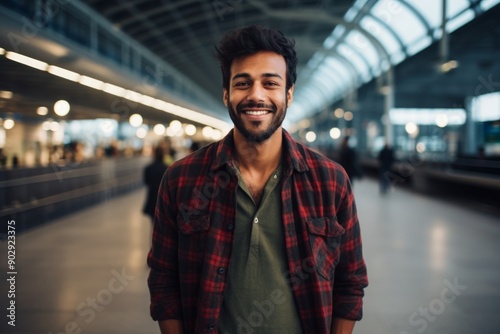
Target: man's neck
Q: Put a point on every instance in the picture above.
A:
(258, 157)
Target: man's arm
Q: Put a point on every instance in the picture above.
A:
(342, 326)
(163, 280)
(350, 272)
(170, 326)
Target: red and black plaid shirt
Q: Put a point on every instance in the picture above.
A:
(193, 238)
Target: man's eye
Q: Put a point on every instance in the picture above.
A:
(241, 84)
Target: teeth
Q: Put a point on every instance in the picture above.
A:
(258, 112)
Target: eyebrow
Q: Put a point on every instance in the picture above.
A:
(246, 75)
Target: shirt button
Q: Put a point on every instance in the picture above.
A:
(230, 227)
(221, 270)
(211, 327)
(275, 176)
(256, 220)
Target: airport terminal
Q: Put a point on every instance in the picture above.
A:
(96, 96)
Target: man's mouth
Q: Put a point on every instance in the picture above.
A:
(256, 112)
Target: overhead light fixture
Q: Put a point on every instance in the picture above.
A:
(135, 120)
(6, 94)
(61, 108)
(310, 136)
(339, 112)
(115, 90)
(448, 66)
(8, 123)
(190, 130)
(167, 107)
(335, 133)
(28, 61)
(159, 129)
(42, 111)
(63, 73)
(91, 82)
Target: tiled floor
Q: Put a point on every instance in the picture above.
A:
(433, 268)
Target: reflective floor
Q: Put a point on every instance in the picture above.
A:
(434, 267)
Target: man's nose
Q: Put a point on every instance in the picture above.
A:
(256, 93)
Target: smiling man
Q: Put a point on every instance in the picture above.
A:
(256, 233)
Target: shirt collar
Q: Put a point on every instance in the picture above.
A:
(294, 153)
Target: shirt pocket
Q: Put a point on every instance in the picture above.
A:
(325, 235)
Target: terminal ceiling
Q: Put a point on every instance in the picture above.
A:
(343, 47)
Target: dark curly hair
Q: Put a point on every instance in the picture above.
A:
(250, 40)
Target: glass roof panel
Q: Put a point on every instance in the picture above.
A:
(419, 45)
(385, 37)
(455, 7)
(430, 9)
(401, 20)
(360, 43)
(460, 20)
(335, 67)
(487, 4)
(355, 59)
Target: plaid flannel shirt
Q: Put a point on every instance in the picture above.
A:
(193, 238)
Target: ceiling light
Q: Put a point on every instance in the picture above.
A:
(190, 130)
(448, 66)
(159, 129)
(310, 136)
(335, 133)
(175, 125)
(207, 131)
(339, 113)
(8, 123)
(348, 116)
(42, 111)
(91, 82)
(141, 133)
(135, 120)
(6, 94)
(61, 108)
(114, 90)
(28, 61)
(63, 73)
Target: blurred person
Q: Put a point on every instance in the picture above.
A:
(152, 178)
(256, 224)
(15, 161)
(385, 159)
(3, 159)
(349, 160)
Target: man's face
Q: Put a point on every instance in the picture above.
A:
(257, 98)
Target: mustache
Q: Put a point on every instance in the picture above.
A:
(242, 106)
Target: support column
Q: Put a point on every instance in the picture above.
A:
(388, 105)
(470, 128)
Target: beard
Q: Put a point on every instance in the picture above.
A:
(257, 136)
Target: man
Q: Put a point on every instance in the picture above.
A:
(349, 160)
(386, 159)
(256, 233)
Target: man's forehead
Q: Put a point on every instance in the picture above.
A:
(260, 63)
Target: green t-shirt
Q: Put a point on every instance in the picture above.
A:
(258, 298)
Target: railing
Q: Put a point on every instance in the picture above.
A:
(36, 195)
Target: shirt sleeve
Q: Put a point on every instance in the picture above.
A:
(163, 278)
(350, 273)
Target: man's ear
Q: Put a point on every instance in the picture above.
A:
(289, 95)
(225, 97)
